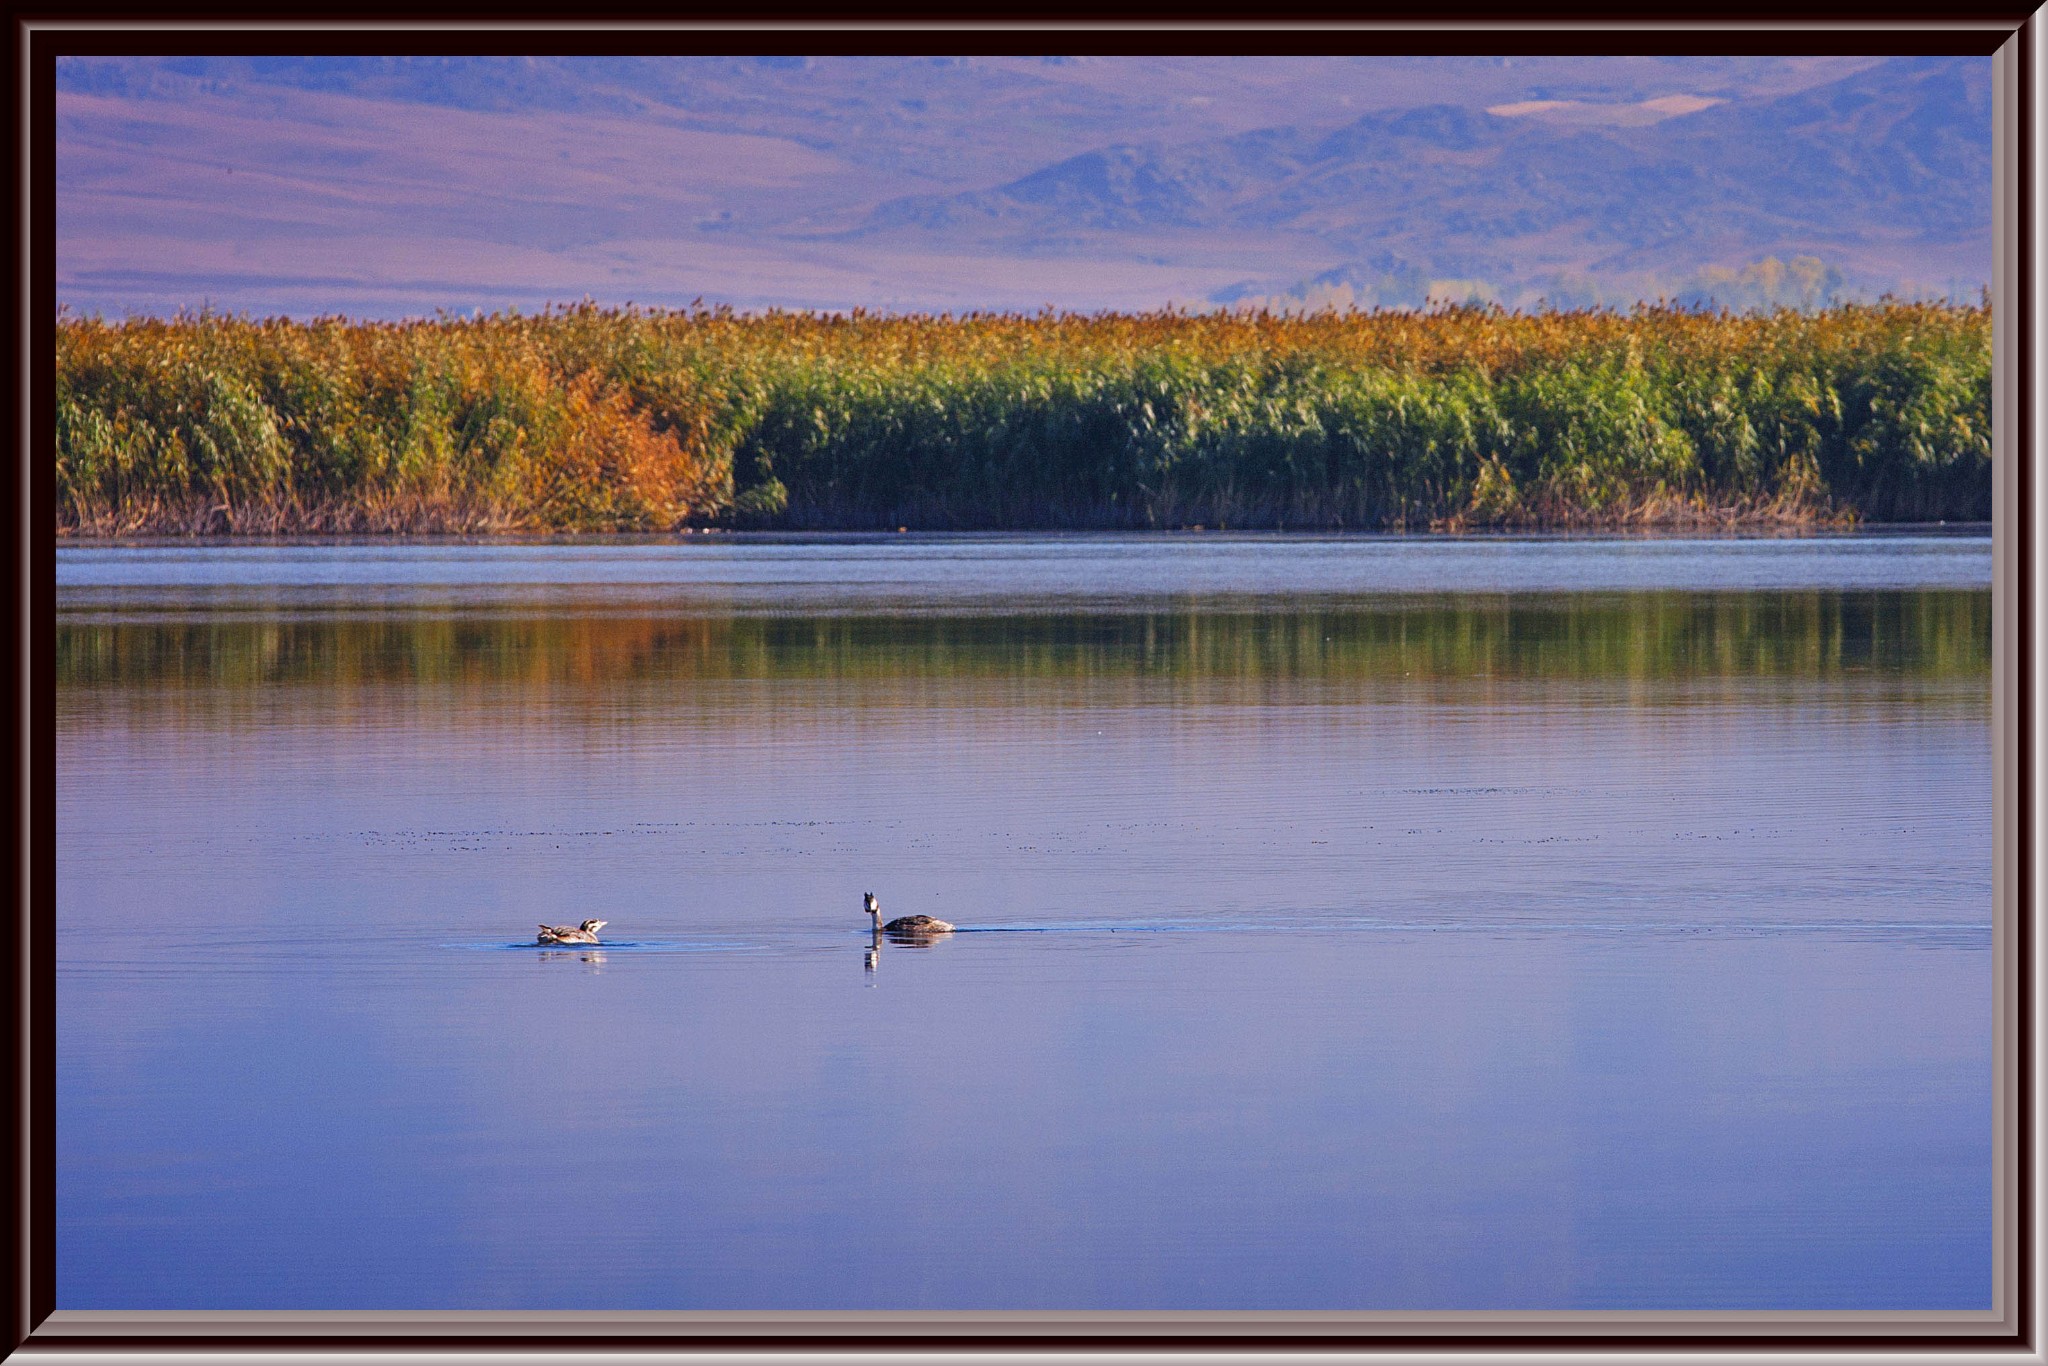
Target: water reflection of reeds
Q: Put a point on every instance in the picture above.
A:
(1647, 636)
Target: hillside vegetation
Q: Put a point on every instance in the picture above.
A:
(588, 419)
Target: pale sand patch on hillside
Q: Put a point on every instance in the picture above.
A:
(1681, 104)
(1634, 115)
(1521, 107)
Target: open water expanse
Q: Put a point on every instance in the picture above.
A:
(1345, 923)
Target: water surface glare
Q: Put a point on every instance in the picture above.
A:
(1368, 923)
(1010, 571)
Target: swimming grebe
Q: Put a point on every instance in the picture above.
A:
(586, 933)
(904, 925)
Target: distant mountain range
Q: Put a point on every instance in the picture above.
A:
(1886, 173)
(1007, 182)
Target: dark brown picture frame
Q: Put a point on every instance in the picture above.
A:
(2006, 31)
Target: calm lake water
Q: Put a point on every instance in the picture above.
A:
(1345, 923)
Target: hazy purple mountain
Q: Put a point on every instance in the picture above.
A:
(385, 186)
(1887, 171)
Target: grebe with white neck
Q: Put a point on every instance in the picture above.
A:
(909, 925)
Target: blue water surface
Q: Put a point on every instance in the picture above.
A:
(1388, 923)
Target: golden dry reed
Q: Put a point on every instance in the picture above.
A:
(591, 419)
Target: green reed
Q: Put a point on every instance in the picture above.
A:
(630, 420)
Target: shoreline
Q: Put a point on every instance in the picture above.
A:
(1658, 512)
(1552, 531)
(1016, 535)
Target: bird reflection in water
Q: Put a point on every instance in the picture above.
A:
(907, 936)
(594, 957)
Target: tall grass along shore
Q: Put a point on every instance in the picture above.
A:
(589, 419)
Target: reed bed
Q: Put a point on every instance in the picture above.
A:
(589, 419)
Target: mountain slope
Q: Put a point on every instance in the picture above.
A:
(386, 186)
(1887, 169)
